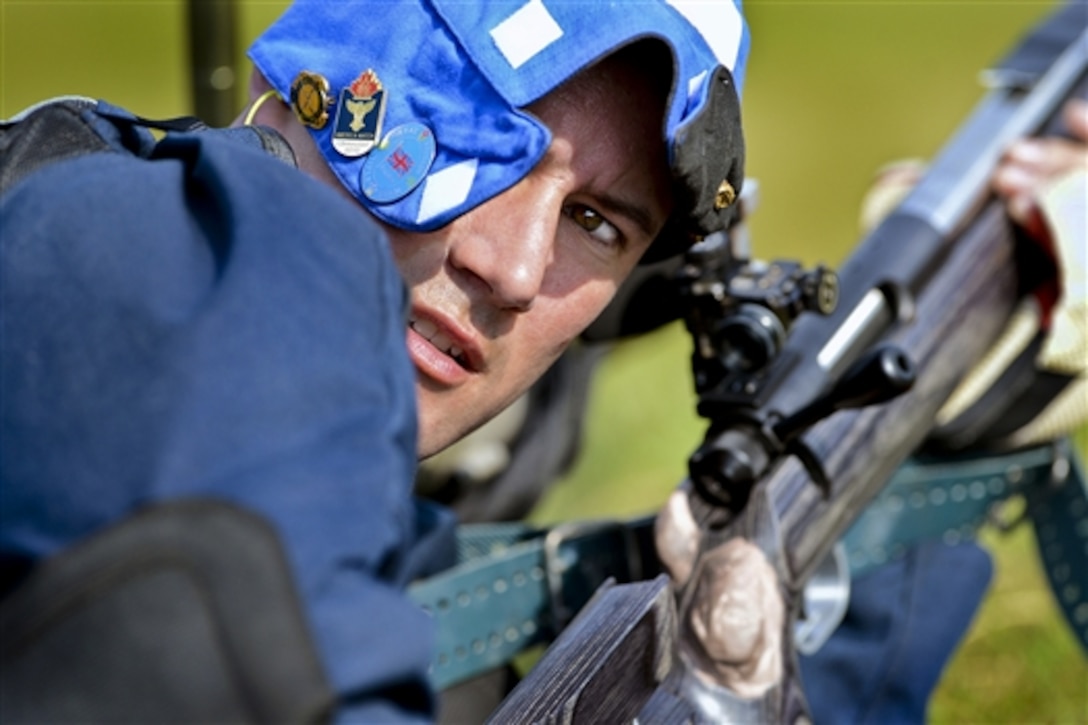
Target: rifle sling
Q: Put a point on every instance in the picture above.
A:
(1018, 396)
(516, 586)
(951, 497)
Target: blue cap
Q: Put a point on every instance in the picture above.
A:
(464, 69)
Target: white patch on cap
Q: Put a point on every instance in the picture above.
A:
(695, 84)
(445, 189)
(528, 31)
(720, 24)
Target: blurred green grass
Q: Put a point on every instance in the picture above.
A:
(834, 91)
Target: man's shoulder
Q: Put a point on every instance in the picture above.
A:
(96, 161)
(69, 128)
(48, 133)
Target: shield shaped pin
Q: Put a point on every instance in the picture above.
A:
(359, 116)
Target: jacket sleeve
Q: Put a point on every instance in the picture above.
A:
(211, 322)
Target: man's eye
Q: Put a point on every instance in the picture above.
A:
(598, 227)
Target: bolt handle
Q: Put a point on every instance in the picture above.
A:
(881, 374)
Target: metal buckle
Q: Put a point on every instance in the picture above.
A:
(1000, 518)
(1057, 473)
(560, 559)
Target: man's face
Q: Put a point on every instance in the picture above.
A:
(498, 294)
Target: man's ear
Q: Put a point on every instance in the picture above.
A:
(275, 113)
(258, 85)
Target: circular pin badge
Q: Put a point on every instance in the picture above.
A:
(310, 99)
(398, 164)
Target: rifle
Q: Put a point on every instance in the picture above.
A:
(805, 429)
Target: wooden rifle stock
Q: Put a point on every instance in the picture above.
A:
(938, 279)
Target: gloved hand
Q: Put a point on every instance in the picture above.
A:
(1045, 185)
(1044, 182)
(1032, 168)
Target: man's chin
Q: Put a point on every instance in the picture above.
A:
(430, 445)
(438, 434)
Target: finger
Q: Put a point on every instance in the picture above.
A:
(1047, 157)
(892, 184)
(676, 536)
(1013, 179)
(1020, 190)
(1075, 115)
(1021, 208)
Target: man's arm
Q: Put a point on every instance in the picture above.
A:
(214, 324)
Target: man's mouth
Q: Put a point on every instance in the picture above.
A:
(430, 332)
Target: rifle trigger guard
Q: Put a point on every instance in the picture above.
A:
(825, 598)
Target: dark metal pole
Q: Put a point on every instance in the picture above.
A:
(212, 53)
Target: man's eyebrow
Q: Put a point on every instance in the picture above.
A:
(635, 212)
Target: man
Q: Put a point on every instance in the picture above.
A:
(193, 318)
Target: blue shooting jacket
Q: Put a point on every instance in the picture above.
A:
(194, 317)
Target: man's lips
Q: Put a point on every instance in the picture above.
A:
(441, 350)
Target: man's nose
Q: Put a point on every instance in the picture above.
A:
(509, 242)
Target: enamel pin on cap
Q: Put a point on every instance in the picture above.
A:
(399, 163)
(310, 99)
(359, 116)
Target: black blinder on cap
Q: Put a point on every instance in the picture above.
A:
(707, 171)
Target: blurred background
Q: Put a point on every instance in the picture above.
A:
(835, 90)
